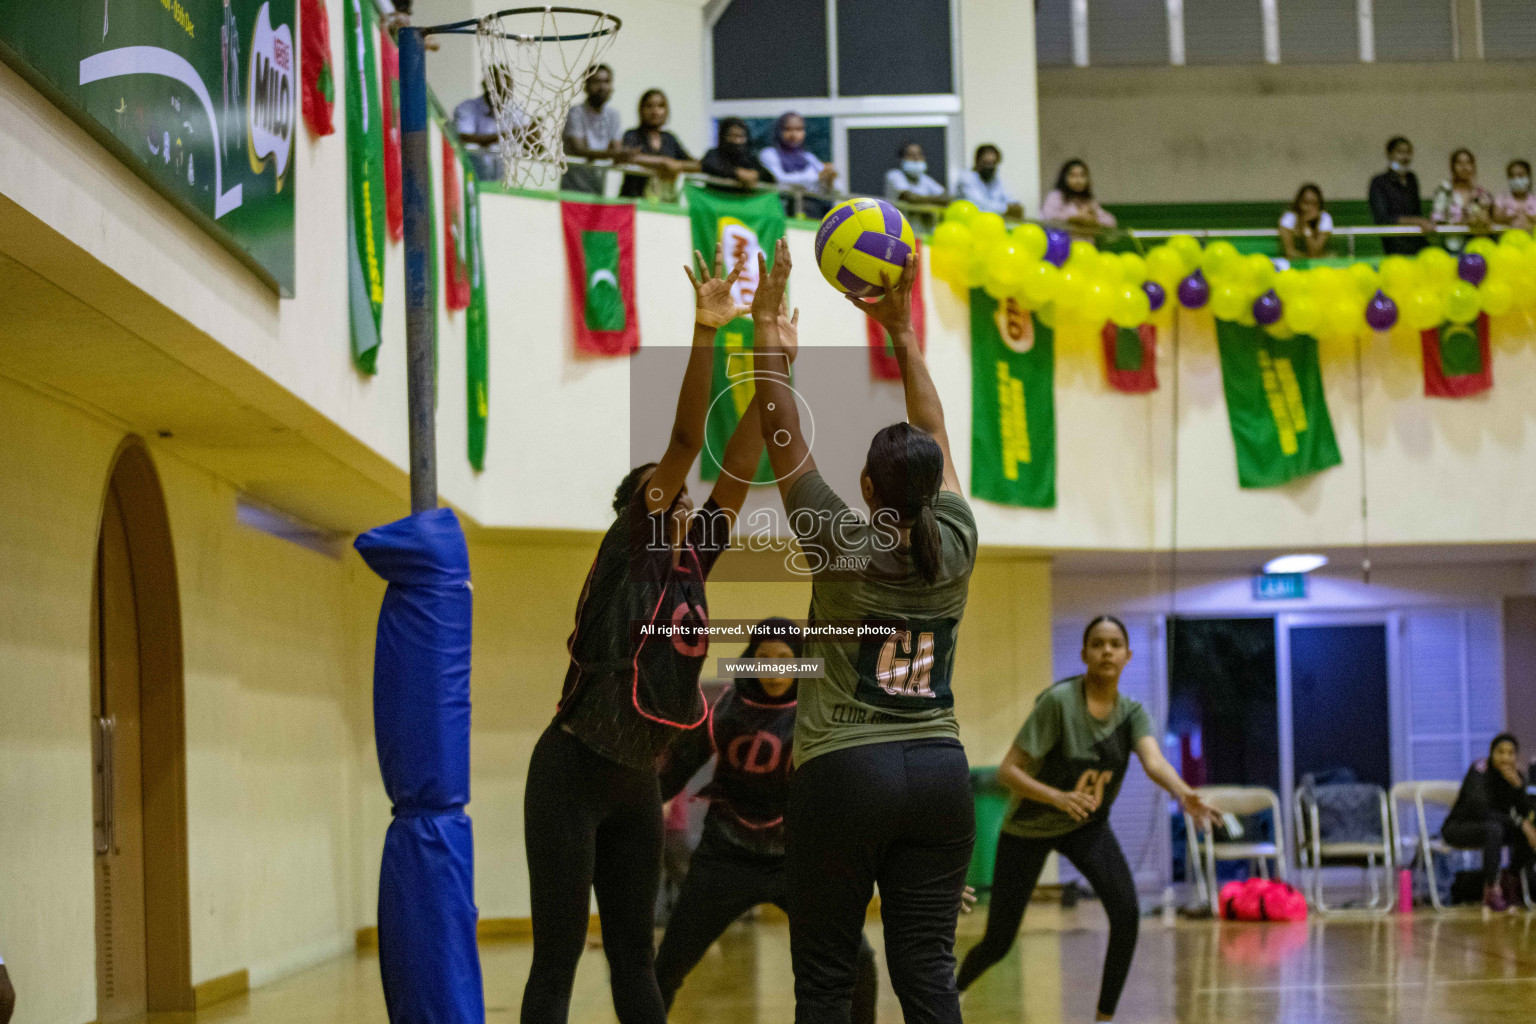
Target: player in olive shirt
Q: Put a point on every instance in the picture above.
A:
(1065, 769)
(881, 789)
(592, 806)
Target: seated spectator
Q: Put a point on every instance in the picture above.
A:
(7, 995)
(1394, 198)
(733, 156)
(1461, 200)
(650, 145)
(910, 182)
(475, 122)
(982, 186)
(592, 132)
(1517, 207)
(1071, 202)
(1306, 227)
(791, 163)
(1493, 811)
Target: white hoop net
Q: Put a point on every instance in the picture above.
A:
(534, 64)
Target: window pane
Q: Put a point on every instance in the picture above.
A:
(1319, 32)
(903, 51)
(873, 151)
(1509, 29)
(1053, 33)
(1223, 32)
(1124, 32)
(768, 49)
(1413, 29)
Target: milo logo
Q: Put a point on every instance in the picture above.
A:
(270, 95)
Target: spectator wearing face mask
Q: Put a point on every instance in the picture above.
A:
(1394, 197)
(1517, 207)
(911, 184)
(733, 157)
(983, 186)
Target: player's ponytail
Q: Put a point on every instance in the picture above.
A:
(905, 466)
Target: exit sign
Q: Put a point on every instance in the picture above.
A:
(1280, 586)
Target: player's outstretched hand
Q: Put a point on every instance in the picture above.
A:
(771, 284)
(893, 310)
(789, 330)
(714, 305)
(968, 900)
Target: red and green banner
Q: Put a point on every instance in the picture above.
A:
(317, 80)
(1457, 359)
(365, 183)
(389, 63)
(455, 256)
(600, 260)
(476, 331)
(1013, 404)
(1130, 358)
(1275, 403)
(745, 225)
(882, 354)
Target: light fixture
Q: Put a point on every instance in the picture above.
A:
(1295, 563)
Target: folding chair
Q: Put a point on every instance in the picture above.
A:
(1239, 800)
(1367, 840)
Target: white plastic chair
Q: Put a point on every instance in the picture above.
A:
(1441, 793)
(1238, 800)
(1313, 851)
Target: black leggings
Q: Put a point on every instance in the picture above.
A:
(1490, 835)
(1094, 851)
(724, 882)
(590, 823)
(899, 815)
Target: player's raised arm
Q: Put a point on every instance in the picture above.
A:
(893, 311)
(713, 308)
(780, 417)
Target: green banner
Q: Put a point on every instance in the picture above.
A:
(365, 183)
(476, 337)
(745, 225)
(199, 97)
(1013, 404)
(1275, 402)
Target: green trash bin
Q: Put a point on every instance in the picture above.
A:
(991, 800)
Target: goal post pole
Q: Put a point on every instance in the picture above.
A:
(420, 328)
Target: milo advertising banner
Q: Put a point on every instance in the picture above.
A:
(199, 97)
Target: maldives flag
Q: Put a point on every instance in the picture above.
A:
(1130, 358)
(882, 354)
(316, 81)
(389, 68)
(455, 236)
(1457, 361)
(600, 258)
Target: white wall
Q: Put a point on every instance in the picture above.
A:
(997, 90)
(1256, 132)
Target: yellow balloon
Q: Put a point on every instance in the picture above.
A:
(1133, 269)
(1041, 282)
(1289, 282)
(1229, 302)
(1504, 260)
(1461, 303)
(1303, 314)
(1031, 240)
(1107, 267)
(1497, 298)
(1219, 259)
(1483, 246)
(1047, 315)
(1523, 285)
(1188, 250)
(1436, 267)
(1423, 310)
(1364, 278)
(1329, 282)
(1071, 289)
(1131, 306)
(1258, 272)
(1005, 272)
(1166, 267)
(1343, 317)
(1279, 330)
(987, 227)
(1516, 239)
(1097, 302)
(1398, 277)
(960, 211)
(1084, 253)
(951, 235)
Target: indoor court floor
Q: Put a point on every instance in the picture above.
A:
(1450, 968)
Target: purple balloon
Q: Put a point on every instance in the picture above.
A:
(1058, 246)
(1267, 308)
(1381, 312)
(1472, 268)
(1194, 291)
(1155, 294)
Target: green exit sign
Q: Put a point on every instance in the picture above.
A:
(1280, 586)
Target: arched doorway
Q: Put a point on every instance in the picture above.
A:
(143, 947)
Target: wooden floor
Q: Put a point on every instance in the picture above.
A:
(1436, 969)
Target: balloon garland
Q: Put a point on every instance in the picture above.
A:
(1046, 271)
